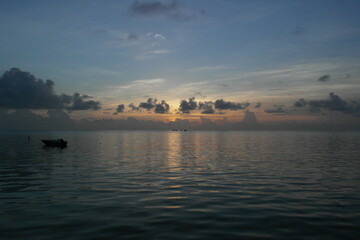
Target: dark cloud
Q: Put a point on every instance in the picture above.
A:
(324, 78)
(21, 90)
(223, 85)
(148, 105)
(257, 105)
(57, 119)
(133, 107)
(249, 118)
(298, 30)
(58, 114)
(24, 119)
(120, 108)
(153, 8)
(132, 37)
(187, 106)
(278, 109)
(206, 107)
(80, 102)
(224, 105)
(333, 103)
(171, 10)
(300, 103)
(162, 107)
(151, 104)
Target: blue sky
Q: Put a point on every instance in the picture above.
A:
(123, 52)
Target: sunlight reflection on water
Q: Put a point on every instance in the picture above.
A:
(157, 185)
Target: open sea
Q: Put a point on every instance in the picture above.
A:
(180, 185)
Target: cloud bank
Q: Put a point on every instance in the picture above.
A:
(209, 107)
(57, 119)
(333, 103)
(171, 10)
(21, 90)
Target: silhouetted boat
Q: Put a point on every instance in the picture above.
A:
(55, 143)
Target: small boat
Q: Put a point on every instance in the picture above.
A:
(55, 143)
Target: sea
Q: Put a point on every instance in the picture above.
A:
(180, 185)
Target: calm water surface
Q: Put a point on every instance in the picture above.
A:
(180, 185)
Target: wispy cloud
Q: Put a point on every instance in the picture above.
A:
(117, 38)
(152, 54)
(173, 10)
(156, 38)
(210, 68)
(156, 35)
(142, 82)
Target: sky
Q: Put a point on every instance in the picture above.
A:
(205, 64)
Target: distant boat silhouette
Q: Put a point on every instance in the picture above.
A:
(55, 143)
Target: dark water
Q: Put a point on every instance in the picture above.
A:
(180, 185)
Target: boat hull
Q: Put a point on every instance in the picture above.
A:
(54, 143)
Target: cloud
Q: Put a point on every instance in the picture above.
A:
(152, 54)
(141, 83)
(156, 35)
(187, 106)
(249, 118)
(59, 120)
(300, 103)
(132, 37)
(162, 107)
(257, 105)
(324, 78)
(153, 8)
(151, 104)
(224, 105)
(148, 105)
(21, 90)
(298, 30)
(118, 36)
(278, 109)
(210, 68)
(171, 10)
(120, 108)
(58, 114)
(333, 103)
(24, 119)
(206, 107)
(133, 107)
(80, 103)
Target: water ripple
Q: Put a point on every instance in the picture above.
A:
(198, 185)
